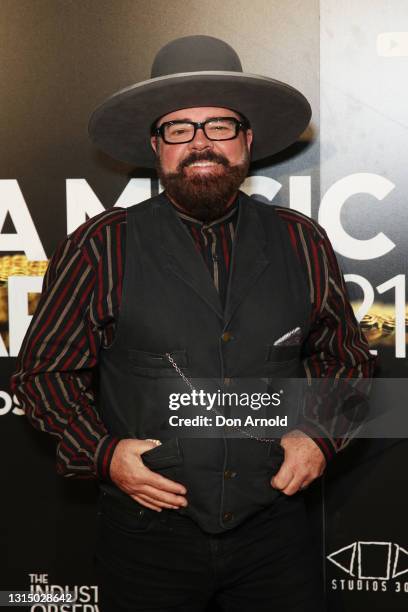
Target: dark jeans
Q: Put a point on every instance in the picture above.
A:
(165, 562)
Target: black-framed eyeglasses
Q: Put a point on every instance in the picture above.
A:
(180, 131)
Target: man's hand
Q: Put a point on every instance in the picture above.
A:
(304, 461)
(150, 489)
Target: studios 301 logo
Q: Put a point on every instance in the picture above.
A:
(370, 566)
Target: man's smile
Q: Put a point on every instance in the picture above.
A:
(203, 167)
(203, 164)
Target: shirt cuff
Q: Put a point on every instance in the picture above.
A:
(103, 456)
(325, 444)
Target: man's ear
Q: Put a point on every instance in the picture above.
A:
(249, 137)
(154, 141)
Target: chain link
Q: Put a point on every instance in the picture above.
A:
(190, 386)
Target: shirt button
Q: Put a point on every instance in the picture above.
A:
(226, 336)
(229, 474)
(227, 516)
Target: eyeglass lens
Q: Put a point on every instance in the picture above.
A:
(214, 129)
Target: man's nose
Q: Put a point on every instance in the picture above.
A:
(200, 140)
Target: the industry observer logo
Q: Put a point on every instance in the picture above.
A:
(64, 598)
(371, 566)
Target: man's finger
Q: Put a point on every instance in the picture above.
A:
(283, 477)
(162, 496)
(294, 485)
(305, 484)
(164, 484)
(145, 503)
(156, 503)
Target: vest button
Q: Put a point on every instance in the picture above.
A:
(227, 516)
(226, 336)
(229, 474)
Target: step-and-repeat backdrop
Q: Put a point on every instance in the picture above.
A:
(58, 60)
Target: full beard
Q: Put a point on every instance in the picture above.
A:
(204, 196)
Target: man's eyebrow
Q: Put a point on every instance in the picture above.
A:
(206, 119)
(178, 119)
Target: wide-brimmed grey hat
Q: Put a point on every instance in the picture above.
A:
(198, 71)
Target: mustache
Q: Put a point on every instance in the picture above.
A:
(209, 156)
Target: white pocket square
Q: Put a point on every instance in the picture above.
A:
(291, 338)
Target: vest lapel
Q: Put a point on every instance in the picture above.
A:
(249, 256)
(181, 258)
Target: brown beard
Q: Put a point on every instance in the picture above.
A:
(204, 197)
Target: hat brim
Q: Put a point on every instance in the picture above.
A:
(278, 113)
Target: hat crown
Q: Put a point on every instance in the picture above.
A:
(195, 54)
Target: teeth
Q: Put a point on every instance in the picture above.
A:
(203, 164)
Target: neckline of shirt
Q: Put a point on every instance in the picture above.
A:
(183, 215)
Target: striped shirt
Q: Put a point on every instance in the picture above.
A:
(78, 310)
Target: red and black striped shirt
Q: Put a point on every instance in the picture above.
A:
(78, 310)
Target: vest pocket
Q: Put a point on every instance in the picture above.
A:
(282, 354)
(166, 455)
(276, 456)
(156, 365)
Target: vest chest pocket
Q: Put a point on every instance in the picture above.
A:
(283, 361)
(156, 365)
(281, 355)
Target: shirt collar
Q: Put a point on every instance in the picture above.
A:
(228, 215)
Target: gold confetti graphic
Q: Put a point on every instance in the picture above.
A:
(15, 265)
(378, 324)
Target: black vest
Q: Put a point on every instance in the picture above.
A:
(170, 305)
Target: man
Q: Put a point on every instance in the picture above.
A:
(198, 282)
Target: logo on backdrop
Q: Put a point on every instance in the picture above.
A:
(9, 404)
(371, 566)
(85, 597)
